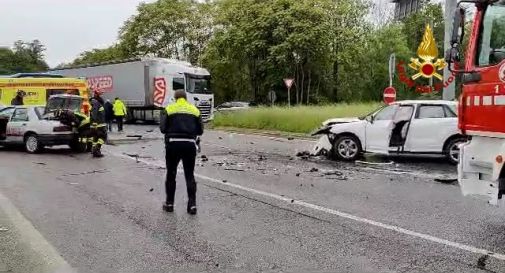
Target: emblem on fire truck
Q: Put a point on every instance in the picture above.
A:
(427, 51)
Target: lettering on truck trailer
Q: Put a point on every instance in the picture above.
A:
(100, 83)
(160, 90)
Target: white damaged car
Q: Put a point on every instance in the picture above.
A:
(404, 127)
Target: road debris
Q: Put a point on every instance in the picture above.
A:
(374, 163)
(204, 158)
(73, 183)
(314, 170)
(138, 137)
(86, 173)
(446, 180)
(151, 189)
(261, 158)
(291, 138)
(481, 263)
(297, 175)
(40, 163)
(233, 169)
(220, 138)
(303, 155)
(3, 229)
(225, 181)
(150, 131)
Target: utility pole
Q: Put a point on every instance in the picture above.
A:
(449, 92)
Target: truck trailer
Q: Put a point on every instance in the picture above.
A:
(147, 85)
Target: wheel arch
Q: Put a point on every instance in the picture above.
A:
(28, 133)
(451, 138)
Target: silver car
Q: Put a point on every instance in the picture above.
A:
(29, 126)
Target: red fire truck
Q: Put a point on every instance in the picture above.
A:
(482, 103)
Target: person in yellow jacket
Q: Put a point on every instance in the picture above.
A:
(119, 113)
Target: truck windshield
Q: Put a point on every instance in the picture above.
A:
(199, 85)
(492, 38)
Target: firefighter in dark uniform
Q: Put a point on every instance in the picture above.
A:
(182, 124)
(81, 122)
(98, 126)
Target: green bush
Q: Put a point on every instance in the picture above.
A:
(299, 119)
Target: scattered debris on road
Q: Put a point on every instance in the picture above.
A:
(73, 183)
(291, 138)
(233, 169)
(297, 175)
(151, 189)
(374, 163)
(314, 170)
(481, 263)
(40, 163)
(204, 158)
(150, 131)
(86, 173)
(446, 180)
(2, 229)
(225, 181)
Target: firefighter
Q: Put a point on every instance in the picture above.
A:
(81, 122)
(182, 124)
(98, 126)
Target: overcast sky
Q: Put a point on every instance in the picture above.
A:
(66, 27)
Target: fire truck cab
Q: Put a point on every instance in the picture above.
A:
(482, 103)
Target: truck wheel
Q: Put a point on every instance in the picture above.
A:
(347, 148)
(451, 150)
(32, 144)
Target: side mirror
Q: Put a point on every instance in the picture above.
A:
(370, 118)
(458, 27)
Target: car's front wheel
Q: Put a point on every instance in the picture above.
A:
(347, 148)
(452, 149)
(32, 144)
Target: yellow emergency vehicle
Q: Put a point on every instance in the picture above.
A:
(36, 90)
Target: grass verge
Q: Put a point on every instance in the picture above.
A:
(299, 119)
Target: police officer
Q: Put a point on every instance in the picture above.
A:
(98, 125)
(181, 123)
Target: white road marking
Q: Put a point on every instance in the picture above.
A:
(33, 238)
(345, 215)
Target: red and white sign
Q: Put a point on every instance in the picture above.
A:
(160, 90)
(389, 95)
(289, 83)
(100, 83)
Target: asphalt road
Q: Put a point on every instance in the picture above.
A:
(261, 209)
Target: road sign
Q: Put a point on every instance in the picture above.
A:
(272, 97)
(289, 83)
(389, 95)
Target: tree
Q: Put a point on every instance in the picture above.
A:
(24, 57)
(177, 29)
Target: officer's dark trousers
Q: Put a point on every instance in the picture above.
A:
(175, 152)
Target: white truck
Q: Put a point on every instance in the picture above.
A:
(146, 85)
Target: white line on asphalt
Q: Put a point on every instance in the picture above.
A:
(290, 201)
(31, 237)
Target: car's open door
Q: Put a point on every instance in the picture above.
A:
(379, 128)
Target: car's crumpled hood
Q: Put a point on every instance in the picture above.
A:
(339, 120)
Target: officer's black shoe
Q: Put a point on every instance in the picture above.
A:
(168, 207)
(191, 209)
